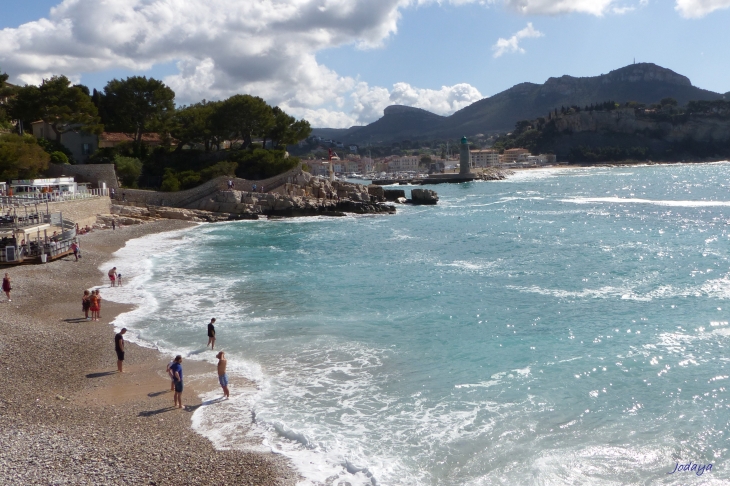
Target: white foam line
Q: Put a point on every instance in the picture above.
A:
(668, 203)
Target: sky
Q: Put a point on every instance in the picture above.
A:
(339, 63)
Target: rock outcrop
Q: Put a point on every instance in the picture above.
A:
(424, 196)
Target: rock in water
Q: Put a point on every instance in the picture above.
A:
(424, 196)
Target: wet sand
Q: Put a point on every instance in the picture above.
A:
(67, 416)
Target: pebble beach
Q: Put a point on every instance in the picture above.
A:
(67, 417)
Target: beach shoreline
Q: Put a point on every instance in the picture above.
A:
(67, 416)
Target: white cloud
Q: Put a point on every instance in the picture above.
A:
(504, 46)
(554, 7)
(693, 9)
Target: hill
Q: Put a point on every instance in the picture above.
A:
(643, 83)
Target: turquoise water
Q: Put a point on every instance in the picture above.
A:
(560, 327)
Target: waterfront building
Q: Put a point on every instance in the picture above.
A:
(514, 155)
(484, 158)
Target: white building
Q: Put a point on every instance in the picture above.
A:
(408, 163)
(484, 158)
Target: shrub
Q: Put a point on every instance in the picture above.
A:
(59, 158)
(170, 182)
(129, 169)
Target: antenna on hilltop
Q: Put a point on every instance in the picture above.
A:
(634, 60)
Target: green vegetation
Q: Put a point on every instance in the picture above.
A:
(128, 169)
(199, 142)
(59, 157)
(58, 103)
(21, 157)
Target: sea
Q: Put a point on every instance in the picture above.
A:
(563, 326)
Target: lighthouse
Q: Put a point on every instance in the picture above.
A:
(464, 158)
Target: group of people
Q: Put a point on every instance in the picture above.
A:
(174, 367)
(91, 302)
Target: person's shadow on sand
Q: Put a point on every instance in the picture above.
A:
(99, 375)
(75, 320)
(150, 413)
(157, 394)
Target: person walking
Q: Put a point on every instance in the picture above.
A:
(222, 376)
(211, 334)
(114, 224)
(113, 276)
(119, 348)
(6, 286)
(177, 376)
(86, 304)
(75, 249)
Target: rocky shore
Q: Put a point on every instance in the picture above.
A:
(66, 416)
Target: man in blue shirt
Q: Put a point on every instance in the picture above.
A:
(177, 376)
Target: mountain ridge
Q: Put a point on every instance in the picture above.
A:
(643, 82)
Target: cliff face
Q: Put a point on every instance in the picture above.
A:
(630, 122)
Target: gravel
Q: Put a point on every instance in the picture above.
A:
(52, 364)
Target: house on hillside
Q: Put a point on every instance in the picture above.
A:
(112, 139)
(81, 144)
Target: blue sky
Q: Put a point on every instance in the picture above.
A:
(340, 62)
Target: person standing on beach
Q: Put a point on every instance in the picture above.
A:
(119, 348)
(177, 376)
(98, 304)
(86, 304)
(93, 305)
(114, 224)
(113, 276)
(211, 334)
(119, 280)
(171, 374)
(75, 249)
(6, 286)
(222, 376)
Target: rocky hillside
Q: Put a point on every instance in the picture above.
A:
(643, 83)
(668, 132)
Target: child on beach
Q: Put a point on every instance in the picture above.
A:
(119, 280)
(6, 286)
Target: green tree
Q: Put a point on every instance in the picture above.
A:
(6, 91)
(138, 105)
(21, 157)
(245, 117)
(668, 102)
(62, 106)
(59, 157)
(129, 170)
(425, 161)
(286, 130)
(194, 124)
(170, 182)
(261, 164)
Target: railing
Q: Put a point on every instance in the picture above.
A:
(26, 199)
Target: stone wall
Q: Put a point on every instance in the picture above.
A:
(190, 197)
(95, 174)
(81, 211)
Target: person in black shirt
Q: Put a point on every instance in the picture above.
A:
(211, 334)
(119, 348)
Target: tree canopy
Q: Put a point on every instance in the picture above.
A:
(137, 105)
(21, 157)
(245, 117)
(63, 106)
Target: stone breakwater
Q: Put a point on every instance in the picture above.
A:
(305, 195)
